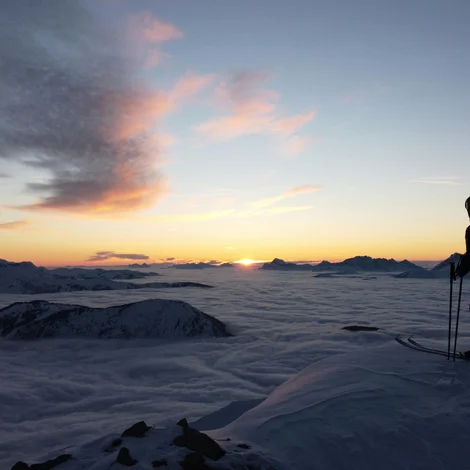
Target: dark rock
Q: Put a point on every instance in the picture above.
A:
(194, 461)
(179, 441)
(360, 328)
(115, 443)
(20, 466)
(244, 446)
(199, 442)
(49, 464)
(257, 467)
(183, 423)
(159, 463)
(136, 430)
(124, 458)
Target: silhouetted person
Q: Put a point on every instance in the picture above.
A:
(464, 264)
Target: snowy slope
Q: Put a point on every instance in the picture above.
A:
(149, 318)
(26, 278)
(443, 266)
(369, 409)
(385, 407)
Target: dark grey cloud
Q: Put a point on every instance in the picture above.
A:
(170, 259)
(4, 175)
(106, 255)
(73, 104)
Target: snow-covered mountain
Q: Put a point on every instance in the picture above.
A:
(84, 273)
(26, 278)
(440, 271)
(367, 263)
(156, 318)
(192, 266)
(348, 266)
(416, 274)
(226, 265)
(137, 265)
(278, 264)
(444, 265)
(201, 265)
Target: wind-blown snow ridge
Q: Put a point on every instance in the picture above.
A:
(26, 278)
(368, 409)
(154, 318)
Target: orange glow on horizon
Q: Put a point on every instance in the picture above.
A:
(248, 262)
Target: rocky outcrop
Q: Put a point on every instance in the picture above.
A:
(178, 446)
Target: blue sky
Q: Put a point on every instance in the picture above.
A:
(381, 89)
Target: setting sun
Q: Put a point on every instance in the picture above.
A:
(245, 262)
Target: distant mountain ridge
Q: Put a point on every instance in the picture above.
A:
(153, 318)
(26, 278)
(278, 264)
(439, 271)
(201, 265)
(357, 263)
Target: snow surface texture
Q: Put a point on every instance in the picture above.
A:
(363, 401)
(26, 278)
(145, 319)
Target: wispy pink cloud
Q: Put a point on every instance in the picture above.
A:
(189, 85)
(269, 201)
(295, 145)
(14, 225)
(290, 125)
(149, 33)
(252, 110)
(262, 207)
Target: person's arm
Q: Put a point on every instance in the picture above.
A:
(464, 265)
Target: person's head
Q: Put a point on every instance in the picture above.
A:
(467, 206)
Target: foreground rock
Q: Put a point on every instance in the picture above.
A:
(156, 318)
(26, 278)
(176, 447)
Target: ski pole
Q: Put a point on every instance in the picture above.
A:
(452, 273)
(458, 315)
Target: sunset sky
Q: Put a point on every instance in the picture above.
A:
(223, 130)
